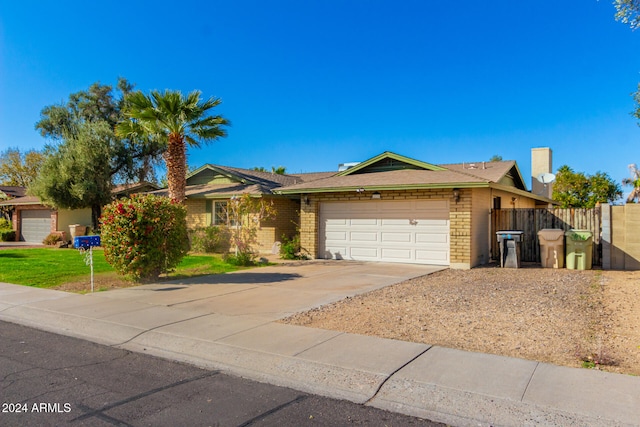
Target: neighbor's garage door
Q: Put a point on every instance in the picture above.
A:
(36, 225)
(411, 231)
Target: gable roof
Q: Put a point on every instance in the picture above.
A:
(388, 161)
(239, 181)
(390, 171)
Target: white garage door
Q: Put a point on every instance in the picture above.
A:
(410, 231)
(36, 225)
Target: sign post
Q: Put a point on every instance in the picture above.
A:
(85, 245)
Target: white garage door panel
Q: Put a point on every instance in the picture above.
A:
(362, 222)
(396, 237)
(35, 225)
(412, 231)
(364, 237)
(371, 253)
(337, 235)
(397, 254)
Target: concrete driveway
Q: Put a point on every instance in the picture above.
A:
(273, 292)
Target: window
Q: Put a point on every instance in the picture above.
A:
(219, 213)
(497, 202)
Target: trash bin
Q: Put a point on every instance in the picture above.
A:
(510, 242)
(551, 247)
(76, 230)
(579, 249)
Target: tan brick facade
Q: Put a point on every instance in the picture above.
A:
(285, 222)
(459, 218)
(271, 230)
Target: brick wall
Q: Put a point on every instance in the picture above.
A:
(196, 213)
(271, 230)
(459, 217)
(284, 222)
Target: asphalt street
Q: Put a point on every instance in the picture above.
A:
(51, 380)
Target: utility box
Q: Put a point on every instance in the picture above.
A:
(510, 242)
(551, 247)
(579, 249)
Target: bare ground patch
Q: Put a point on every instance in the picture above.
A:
(554, 316)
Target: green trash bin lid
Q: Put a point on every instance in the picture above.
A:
(579, 235)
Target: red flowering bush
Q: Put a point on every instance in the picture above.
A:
(144, 236)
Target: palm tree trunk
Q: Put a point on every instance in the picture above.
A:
(176, 160)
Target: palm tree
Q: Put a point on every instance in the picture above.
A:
(173, 120)
(634, 181)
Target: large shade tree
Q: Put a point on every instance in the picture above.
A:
(20, 168)
(175, 121)
(579, 190)
(85, 157)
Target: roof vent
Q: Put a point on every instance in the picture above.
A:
(345, 166)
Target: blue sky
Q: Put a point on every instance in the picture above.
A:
(310, 84)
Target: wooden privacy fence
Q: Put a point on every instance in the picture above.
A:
(530, 221)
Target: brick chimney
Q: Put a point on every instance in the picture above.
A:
(541, 163)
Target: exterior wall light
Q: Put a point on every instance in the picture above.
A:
(456, 195)
(360, 190)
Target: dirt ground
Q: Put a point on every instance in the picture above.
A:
(565, 317)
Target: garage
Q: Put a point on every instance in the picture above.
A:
(405, 231)
(35, 225)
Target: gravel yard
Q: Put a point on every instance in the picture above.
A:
(565, 317)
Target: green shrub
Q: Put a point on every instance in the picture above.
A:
(291, 249)
(5, 224)
(52, 239)
(144, 236)
(212, 239)
(7, 235)
(244, 259)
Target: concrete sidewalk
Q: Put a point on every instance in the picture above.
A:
(228, 322)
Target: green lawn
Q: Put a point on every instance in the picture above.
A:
(49, 267)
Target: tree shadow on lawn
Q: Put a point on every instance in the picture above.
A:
(14, 255)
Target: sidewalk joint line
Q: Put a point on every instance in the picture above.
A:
(320, 343)
(529, 382)
(395, 372)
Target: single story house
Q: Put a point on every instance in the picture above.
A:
(393, 208)
(210, 187)
(33, 221)
(11, 191)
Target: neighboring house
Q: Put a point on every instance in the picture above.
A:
(9, 192)
(33, 221)
(210, 187)
(393, 208)
(126, 190)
